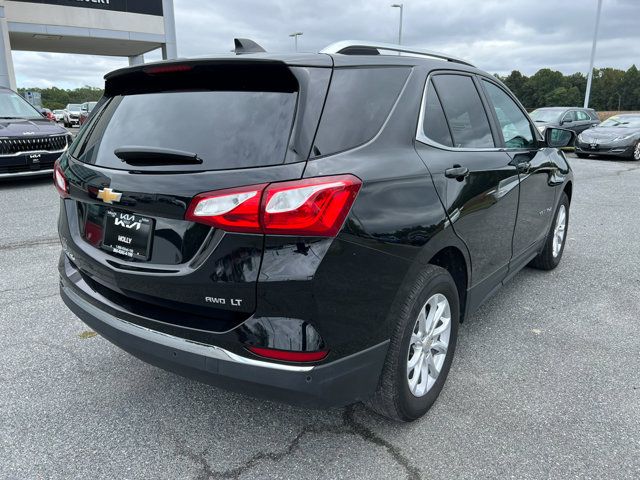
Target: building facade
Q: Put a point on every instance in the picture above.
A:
(124, 28)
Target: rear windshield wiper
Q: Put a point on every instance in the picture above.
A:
(142, 156)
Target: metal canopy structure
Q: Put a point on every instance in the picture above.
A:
(124, 28)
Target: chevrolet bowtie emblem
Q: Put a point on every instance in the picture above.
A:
(109, 196)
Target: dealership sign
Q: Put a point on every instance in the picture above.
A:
(147, 7)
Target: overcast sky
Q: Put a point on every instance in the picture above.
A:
(496, 35)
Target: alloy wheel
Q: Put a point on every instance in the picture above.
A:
(559, 230)
(429, 344)
(636, 151)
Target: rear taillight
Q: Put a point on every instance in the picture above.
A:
(60, 181)
(289, 355)
(311, 207)
(234, 210)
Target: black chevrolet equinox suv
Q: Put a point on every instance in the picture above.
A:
(311, 227)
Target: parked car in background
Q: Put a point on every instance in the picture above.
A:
(617, 136)
(572, 118)
(72, 115)
(85, 111)
(270, 244)
(29, 143)
(59, 115)
(48, 114)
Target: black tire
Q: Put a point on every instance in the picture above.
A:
(545, 259)
(635, 153)
(582, 155)
(393, 398)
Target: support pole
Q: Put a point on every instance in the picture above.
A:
(593, 56)
(136, 60)
(7, 74)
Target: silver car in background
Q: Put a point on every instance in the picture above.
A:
(617, 136)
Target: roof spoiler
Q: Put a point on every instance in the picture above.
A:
(244, 45)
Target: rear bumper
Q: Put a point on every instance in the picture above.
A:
(344, 381)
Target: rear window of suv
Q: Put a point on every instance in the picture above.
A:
(358, 103)
(226, 129)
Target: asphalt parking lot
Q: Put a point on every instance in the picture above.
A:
(545, 383)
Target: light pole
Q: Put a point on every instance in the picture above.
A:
(593, 56)
(401, 7)
(295, 37)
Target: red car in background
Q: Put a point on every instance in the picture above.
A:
(48, 114)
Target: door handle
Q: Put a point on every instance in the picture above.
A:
(456, 172)
(524, 167)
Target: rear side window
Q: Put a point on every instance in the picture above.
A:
(465, 113)
(226, 129)
(358, 103)
(434, 122)
(582, 116)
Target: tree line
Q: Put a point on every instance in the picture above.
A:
(57, 98)
(611, 89)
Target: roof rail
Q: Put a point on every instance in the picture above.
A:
(357, 47)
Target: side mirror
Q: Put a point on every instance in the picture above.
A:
(566, 120)
(558, 137)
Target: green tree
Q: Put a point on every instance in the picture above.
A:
(56, 98)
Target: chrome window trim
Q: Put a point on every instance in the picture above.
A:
(422, 138)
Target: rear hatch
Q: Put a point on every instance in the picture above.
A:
(162, 135)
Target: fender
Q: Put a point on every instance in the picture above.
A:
(445, 238)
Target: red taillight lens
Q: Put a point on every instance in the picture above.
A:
(233, 210)
(307, 207)
(312, 206)
(289, 355)
(60, 181)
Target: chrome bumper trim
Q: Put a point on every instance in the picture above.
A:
(30, 173)
(177, 343)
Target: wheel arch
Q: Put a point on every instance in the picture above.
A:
(447, 251)
(568, 189)
(453, 260)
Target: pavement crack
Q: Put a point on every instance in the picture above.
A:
(349, 426)
(367, 434)
(197, 458)
(30, 243)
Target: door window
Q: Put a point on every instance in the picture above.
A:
(515, 126)
(464, 111)
(569, 116)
